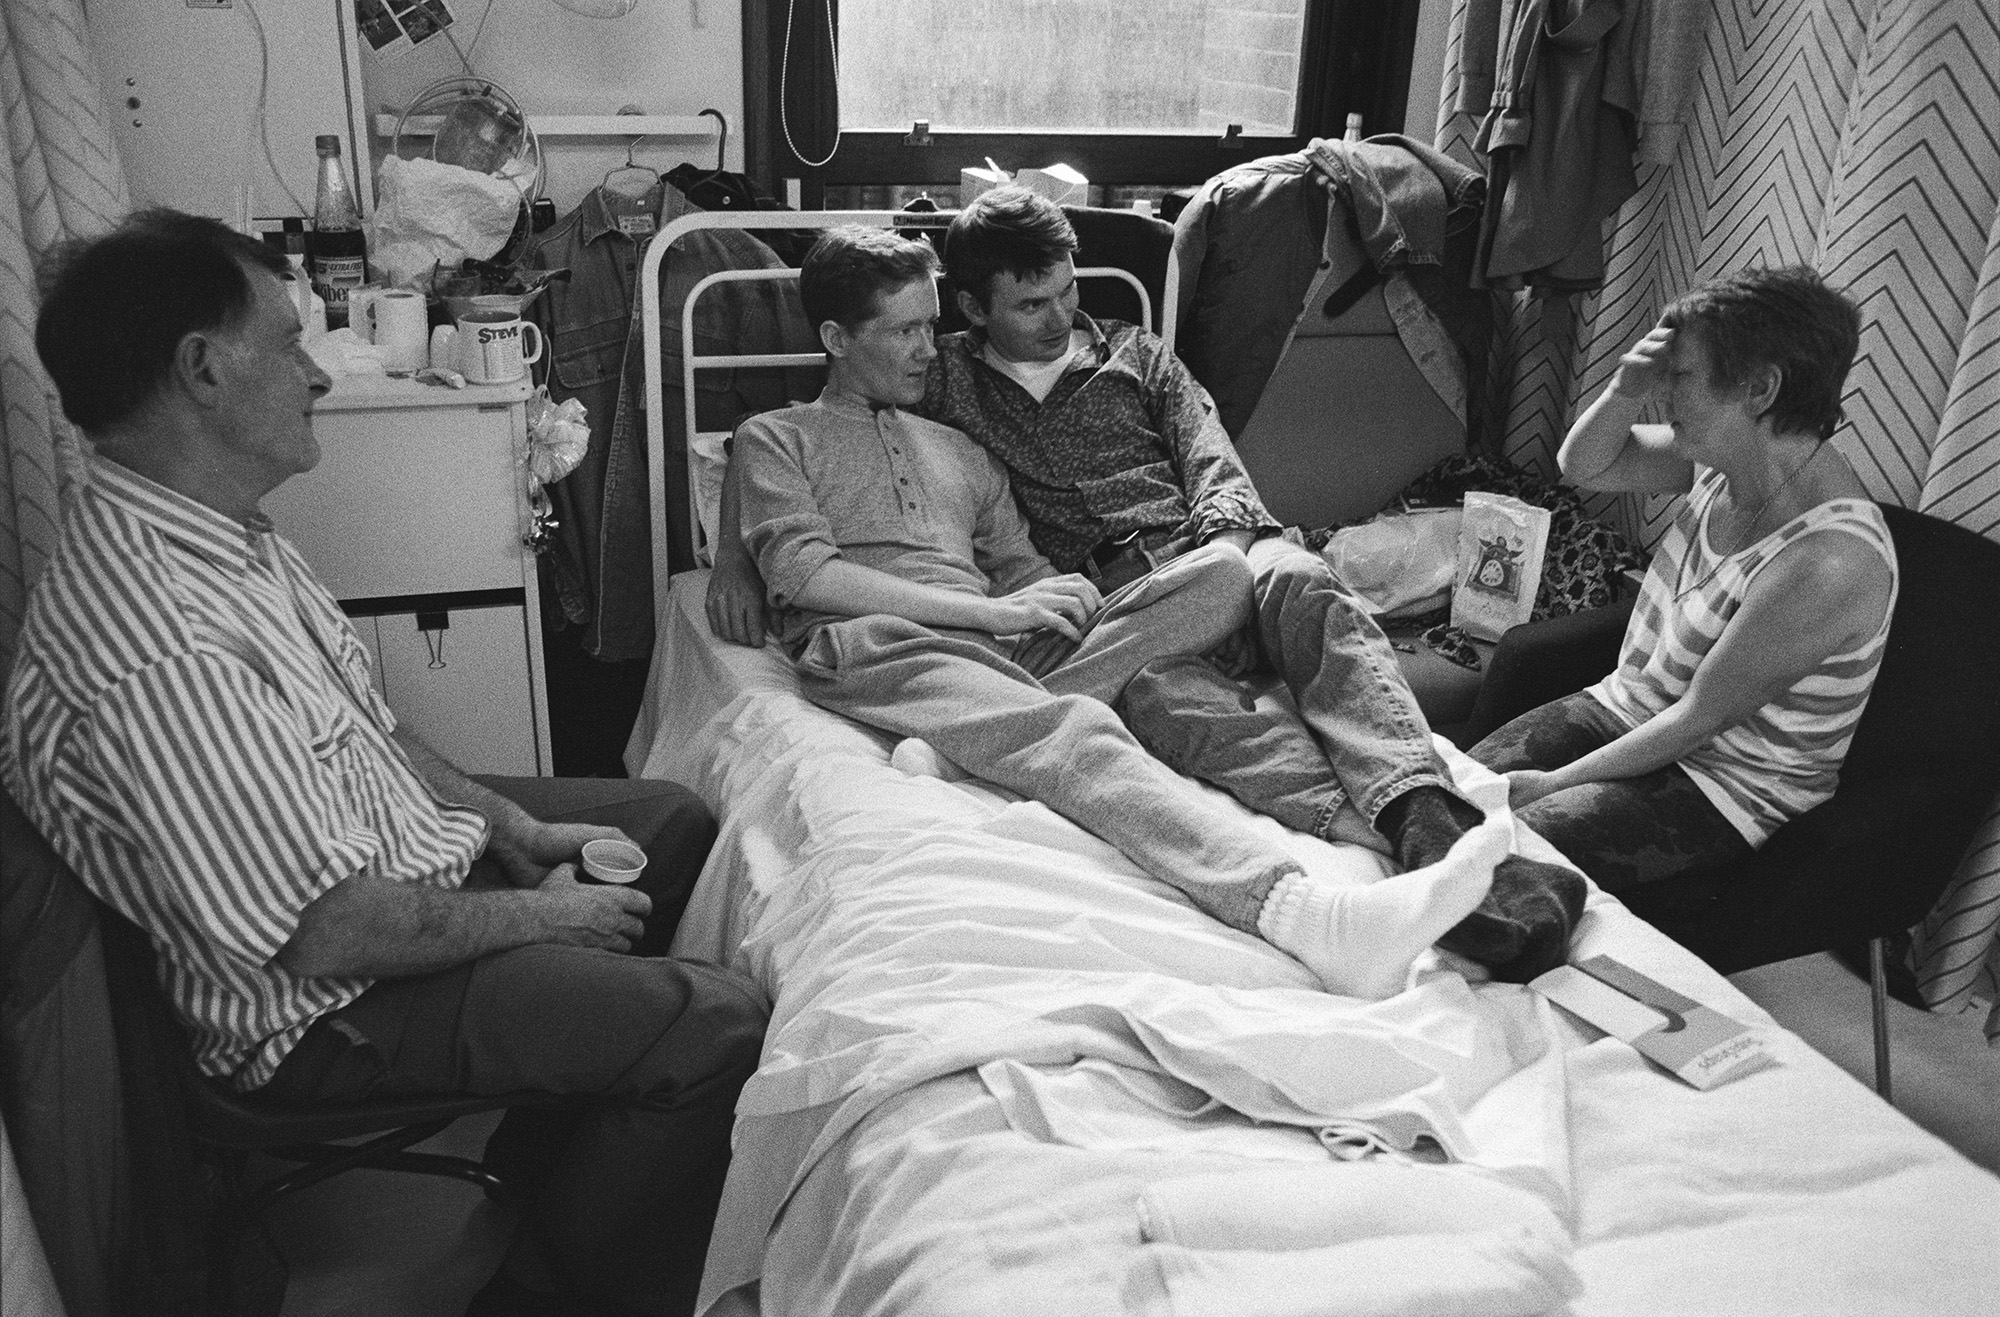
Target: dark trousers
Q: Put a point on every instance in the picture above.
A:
(621, 1185)
(1622, 832)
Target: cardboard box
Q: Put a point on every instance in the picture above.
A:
(1059, 183)
(1696, 1043)
(980, 178)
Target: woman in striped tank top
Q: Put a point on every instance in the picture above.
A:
(1759, 629)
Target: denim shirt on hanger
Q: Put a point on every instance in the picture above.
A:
(600, 561)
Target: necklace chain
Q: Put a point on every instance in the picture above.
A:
(1749, 534)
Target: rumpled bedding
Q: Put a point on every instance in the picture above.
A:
(1007, 1072)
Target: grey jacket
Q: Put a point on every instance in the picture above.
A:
(1255, 245)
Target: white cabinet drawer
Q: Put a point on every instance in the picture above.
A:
(409, 502)
(464, 690)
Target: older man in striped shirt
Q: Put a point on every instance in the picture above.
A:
(337, 912)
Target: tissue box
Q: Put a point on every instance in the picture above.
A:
(977, 179)
(1696, 1043)
(1059, 183)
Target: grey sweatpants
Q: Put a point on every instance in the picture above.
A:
(1057, 740)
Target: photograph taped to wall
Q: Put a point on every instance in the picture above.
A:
(422, 19)
(378, 27)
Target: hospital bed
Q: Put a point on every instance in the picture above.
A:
(1008, 1073)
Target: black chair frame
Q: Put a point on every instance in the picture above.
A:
(229, 1125)
(1923, 768)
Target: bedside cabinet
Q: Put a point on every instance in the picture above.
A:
(414, 519)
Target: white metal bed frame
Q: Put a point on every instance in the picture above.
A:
(691, 361)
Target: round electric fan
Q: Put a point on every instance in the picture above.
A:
(480, 127)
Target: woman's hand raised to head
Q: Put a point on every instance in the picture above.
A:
(1647, 366)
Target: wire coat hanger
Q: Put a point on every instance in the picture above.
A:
(721, 149)
(631, 166)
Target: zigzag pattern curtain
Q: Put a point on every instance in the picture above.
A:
(1861, 137)
(60, 178)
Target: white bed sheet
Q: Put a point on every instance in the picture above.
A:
(992, 1035)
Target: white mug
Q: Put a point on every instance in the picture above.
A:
(359, 301)
(486, 347)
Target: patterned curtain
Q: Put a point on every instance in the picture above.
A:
(1861, 137)
(59, 179)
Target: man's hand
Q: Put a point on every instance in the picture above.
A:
(527, 855)
(591, 915)
(1064, 604)
(735, 602)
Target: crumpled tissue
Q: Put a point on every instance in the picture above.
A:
(343, 352)
(431, 215)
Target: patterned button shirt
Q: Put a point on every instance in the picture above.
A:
(1125, 448)
(190, 724)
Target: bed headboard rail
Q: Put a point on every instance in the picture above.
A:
(649, 291)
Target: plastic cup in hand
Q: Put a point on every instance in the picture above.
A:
(610, 861)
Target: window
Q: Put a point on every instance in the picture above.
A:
(1071, 66)
(1134, 93)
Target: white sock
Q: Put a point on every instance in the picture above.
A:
(919, 758)
(1361, 939)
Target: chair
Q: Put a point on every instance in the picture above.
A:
(156, 1059)
(1922, 770)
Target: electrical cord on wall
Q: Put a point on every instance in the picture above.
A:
(478, 31)
(784, 81)
(263, 101)
(459, 50)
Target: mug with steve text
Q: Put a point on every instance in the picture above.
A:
(487, 347)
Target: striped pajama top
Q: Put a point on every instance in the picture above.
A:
(1785, 758)
(190, 724)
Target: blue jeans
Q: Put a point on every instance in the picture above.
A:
(1057, 740)
(1354, 733)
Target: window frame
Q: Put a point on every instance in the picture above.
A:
(1355, 57)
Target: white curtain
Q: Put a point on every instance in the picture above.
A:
(1861, 137)
(59, 179)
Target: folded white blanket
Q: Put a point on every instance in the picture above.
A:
(1318, 1205)
(1492, 1273)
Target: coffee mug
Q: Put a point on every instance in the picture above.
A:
(487, 346)
(359, 300)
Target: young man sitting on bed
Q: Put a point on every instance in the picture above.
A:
(904, 586)
(1118, 461)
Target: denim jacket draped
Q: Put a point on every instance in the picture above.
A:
(600, 560)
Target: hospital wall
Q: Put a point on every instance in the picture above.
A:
(201, 101)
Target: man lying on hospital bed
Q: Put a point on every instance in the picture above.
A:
(905, 587)
(1117, 459)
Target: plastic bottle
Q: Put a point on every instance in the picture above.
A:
(337, 248)
(1353, 133)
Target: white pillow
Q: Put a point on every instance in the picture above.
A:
(710, 462)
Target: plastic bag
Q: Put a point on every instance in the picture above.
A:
(1501, 543)
(558, 437)
(1398, 561)
(429, 216)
